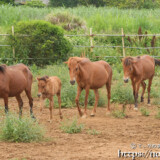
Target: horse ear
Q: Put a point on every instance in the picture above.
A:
(66, 62)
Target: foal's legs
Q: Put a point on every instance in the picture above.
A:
(28, 93)
(51, 107)
(79, 90)
(149, 88)
(20, 103)
(59, 102)
(96, 102)
(144, 87)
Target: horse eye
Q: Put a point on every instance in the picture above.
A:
(76, 69)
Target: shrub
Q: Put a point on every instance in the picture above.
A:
(44, 41)
(35, 3)
(122, 93)
(66, 20)
(71, 126)
(7, 1)
(144, 112)
(25, 129)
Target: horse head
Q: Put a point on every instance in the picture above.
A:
(74, 64)
(42, 85)
(128, 64)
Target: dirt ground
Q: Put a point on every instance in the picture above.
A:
(114, 135)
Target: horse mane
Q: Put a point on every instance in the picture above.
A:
(128, 60)
(44, 78)
(78, 59)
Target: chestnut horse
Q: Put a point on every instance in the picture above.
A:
(13, 81)
(89, 75)
(139, 69)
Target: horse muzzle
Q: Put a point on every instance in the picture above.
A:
(72, 82)
(126, 80)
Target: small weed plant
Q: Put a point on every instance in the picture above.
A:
(71, 126)
(25, 129)
(144, 111)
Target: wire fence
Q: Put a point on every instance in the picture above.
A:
(91, 46)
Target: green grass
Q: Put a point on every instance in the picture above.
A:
(144, 111)
(13, 129)
(102, 19)
(71, 126)
(93, 132)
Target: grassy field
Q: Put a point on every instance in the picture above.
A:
(109, 20)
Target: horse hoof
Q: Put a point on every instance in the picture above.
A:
(148, 104)
(84, 116)
(135, 108)
(92, 114)
(61, 117)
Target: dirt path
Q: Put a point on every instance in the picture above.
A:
(114, 134)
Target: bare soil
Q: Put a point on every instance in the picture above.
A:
(114, 134)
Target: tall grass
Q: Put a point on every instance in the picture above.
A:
(101, 19)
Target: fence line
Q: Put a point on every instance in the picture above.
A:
(91, 35)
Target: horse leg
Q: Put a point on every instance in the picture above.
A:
(79, 90)
(6, 103)
(50, 108)
(28, 93)
(134, 88)
(108, 86)
(42, 104)
(149, 89)
(136, 95)
(144, 87)
(96, 102)
(86, 102)
(20, 103)
(59, 102)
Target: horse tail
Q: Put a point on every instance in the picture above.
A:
(157, 62)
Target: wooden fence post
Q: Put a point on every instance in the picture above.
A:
(123, 42)
(13, 49)
(91, 40)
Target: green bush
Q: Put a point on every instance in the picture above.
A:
(35, 3)
(25, 129)
(71, 126)
(7, 1)
(45, 43)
